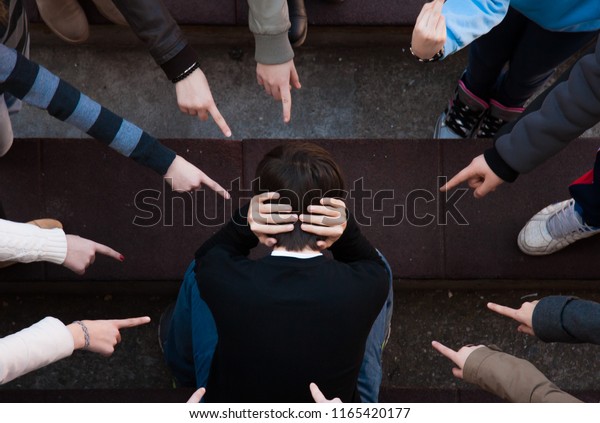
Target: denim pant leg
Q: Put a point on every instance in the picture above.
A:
(586, 193)
(371, 371)
(192, 336)
(13, 104)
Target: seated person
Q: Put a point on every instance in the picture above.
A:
(291, 318)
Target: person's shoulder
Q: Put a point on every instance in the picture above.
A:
(364, 271)
(220, 254)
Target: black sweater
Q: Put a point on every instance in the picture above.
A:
(284, 322)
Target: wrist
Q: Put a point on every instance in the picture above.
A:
(180, 62)
(78, 336)
(499, 166)
(437, 56)
(81, 335)
(273, 49)
(191, 69)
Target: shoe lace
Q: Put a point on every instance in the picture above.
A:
(566, 221)
(489, 126)
(461, 118)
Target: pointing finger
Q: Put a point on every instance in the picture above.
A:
(131, 322)
(107, 251)
(286, 100)
(197, 396)
(215, 187)
(219, 120)
(458, 179)
(316, 393)
(503, 310)
(444, 350)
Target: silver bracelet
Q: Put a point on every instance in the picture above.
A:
(86, 334)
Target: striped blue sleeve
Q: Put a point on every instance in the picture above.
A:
(467, 20)
(39, 87)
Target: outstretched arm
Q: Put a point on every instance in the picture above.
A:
(556, 117)
(556, 318)
(502, 374)
(568, 110)
(275, 69)
(24, 243)
(155, 27)
(50, 340)
(39, 87)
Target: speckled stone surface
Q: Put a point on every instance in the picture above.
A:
(413, 371)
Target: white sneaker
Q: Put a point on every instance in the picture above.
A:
(553, 228)
(6, 133)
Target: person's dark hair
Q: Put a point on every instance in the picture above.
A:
(302, 174)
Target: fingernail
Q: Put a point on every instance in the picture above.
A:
(121, 257)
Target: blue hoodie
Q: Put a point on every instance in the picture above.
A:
(467, 20)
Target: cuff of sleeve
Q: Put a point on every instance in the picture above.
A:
(474, 361)
(273, 49)
(55, 247)
(180, 62)
(547, 319)
(151, 153)
(499, 166)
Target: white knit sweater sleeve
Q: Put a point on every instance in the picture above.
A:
(26, 243)
(45, 342)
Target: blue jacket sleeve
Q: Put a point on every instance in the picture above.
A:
(567, 319)
(467, 20)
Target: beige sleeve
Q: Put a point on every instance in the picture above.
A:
(511, 378)
(45, 342)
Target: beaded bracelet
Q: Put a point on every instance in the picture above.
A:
(186, 73)
(435, 57)
(86, 334)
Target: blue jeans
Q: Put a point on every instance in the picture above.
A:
(371, 371)
(192, 340)
(192, 336)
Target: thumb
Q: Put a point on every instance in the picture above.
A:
(457, 372)
(295, 79)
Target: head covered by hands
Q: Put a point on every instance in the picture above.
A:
(306, 179)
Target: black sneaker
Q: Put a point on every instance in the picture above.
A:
(495, 118)
(462, 117)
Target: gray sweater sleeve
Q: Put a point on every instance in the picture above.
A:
(569, 110)
(567, 319)
(269, 22)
